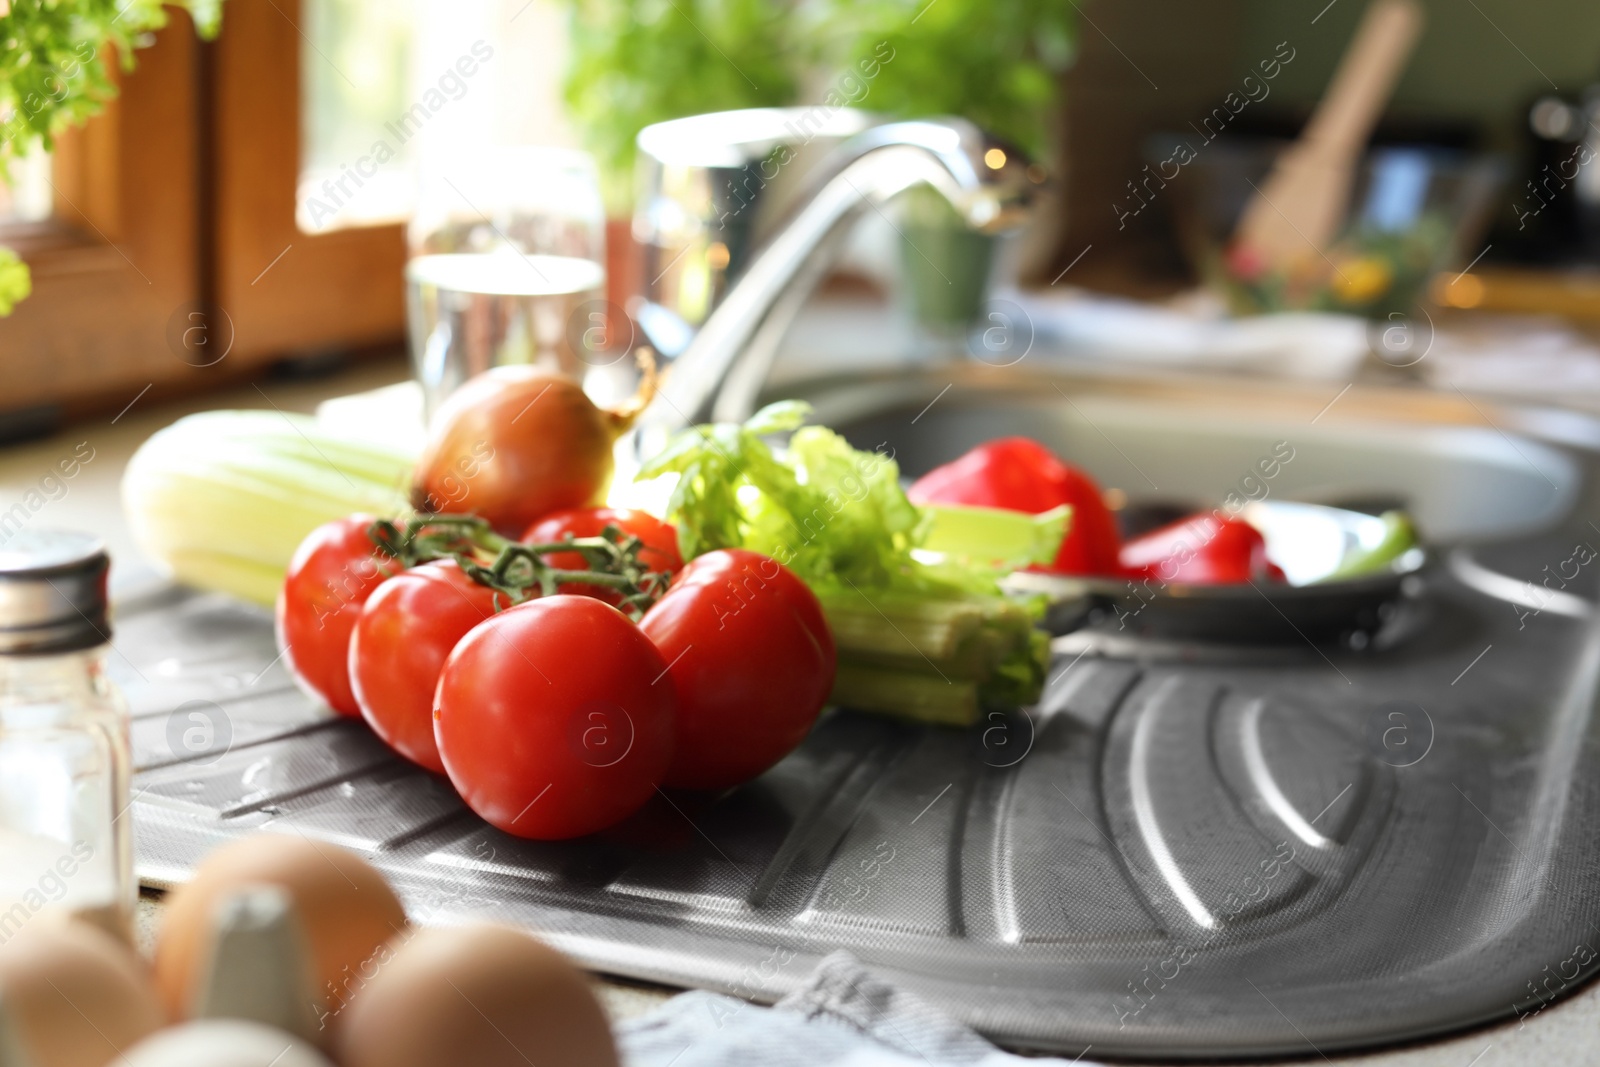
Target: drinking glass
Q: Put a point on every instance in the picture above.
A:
(507, 266)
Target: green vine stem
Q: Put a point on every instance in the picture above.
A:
(518, 572)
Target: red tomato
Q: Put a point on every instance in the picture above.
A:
(1022, 475)
(555, 718)
(1201, 550)
(331, 575)
(660, 551)
(407, 628)
(752, 660)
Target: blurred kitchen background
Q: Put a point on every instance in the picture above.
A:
(231, 214)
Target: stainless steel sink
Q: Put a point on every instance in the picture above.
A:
(1463, 478)
(1177, 853)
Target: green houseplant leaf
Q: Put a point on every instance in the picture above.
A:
(15, 284)
(995, 62)
(636, 62)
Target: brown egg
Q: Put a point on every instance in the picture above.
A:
(346, 909)
(485, 995)
(75, 996)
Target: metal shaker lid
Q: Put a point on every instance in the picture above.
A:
(52, 592)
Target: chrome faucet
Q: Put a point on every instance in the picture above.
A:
(719, 375)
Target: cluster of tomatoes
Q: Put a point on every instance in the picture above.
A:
(561, 715)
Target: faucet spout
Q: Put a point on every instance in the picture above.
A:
(720, 373)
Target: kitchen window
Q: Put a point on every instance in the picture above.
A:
(27, 198)
(252, 191)
(110, 227)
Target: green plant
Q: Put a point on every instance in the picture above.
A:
(53, 73)
(995, 62)
(636, 62)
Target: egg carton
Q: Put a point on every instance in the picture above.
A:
(253, 993)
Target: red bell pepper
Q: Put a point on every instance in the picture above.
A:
(1201, 550)
(1019, 474)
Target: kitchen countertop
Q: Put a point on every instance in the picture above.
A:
(1563, 1032)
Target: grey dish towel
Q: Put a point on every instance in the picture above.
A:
(841, 1017)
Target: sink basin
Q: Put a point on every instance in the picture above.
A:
(1462, 481)
(1280, 851)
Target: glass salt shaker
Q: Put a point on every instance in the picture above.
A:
(65, 764)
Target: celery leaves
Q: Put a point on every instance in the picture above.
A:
(932, 641)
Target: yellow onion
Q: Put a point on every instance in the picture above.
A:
(516, 443)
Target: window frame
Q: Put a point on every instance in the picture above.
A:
(341, 289)
(120, 252)
(180, 196)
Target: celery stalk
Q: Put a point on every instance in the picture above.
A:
(918, 695)
(894, 623)
(934, 659)
(224, 498)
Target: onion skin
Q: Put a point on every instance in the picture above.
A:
(515, 443)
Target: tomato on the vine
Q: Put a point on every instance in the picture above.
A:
(659, 552)
(406, 630)
(555, 718)
(753, 662)
(330, 577)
